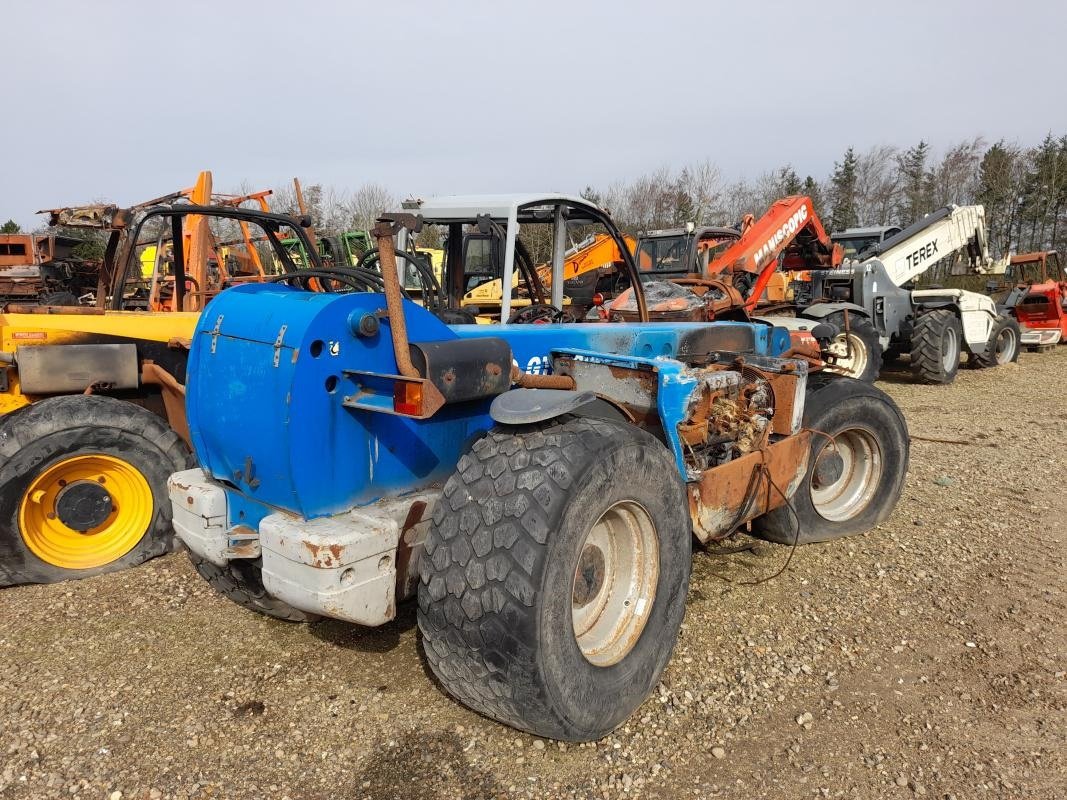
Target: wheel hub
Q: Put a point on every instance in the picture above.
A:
(828, 469)
(849, 352)
(83, 505)
(846, 474)
(589, 576)
(949, 349)
(614, 583)
(85, 511)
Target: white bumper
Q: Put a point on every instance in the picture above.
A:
(344, 566)
(1039, 337)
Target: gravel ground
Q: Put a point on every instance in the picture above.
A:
(925, 658)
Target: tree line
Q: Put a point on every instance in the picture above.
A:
(1023, 189)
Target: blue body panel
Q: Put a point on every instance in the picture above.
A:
(266, 384)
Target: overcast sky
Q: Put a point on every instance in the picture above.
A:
(128, 100)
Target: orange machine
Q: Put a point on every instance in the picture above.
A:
(790, 236)
(210, 263)
(738, 266)
(583, 266)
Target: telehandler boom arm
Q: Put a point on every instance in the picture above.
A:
(790, 224)
(910, 253)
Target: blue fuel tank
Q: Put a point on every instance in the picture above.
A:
(271, 368)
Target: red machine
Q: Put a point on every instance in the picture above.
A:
(1038, 297)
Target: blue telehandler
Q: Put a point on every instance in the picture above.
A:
(536, 483)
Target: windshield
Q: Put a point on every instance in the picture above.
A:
(664, 253)
(855, 245)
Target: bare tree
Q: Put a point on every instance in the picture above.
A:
(956, 177)
(877, 185)
(367, 203)
(702, 184)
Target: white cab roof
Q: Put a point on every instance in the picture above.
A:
(497, 206)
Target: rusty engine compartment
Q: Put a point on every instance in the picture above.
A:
(740, 441)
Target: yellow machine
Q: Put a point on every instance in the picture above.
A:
(592, 254)
(92, 413)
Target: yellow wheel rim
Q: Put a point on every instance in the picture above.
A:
(85, 511)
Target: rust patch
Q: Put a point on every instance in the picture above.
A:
(730, 495)
(408, 551)
(242, 542)
(324, 556)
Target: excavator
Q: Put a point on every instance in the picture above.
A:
(210, 263)
(42, 268)
(698, 273)
(789, 236)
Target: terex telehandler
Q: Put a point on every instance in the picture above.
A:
(92, 413)
(933, 325)
(536, 485)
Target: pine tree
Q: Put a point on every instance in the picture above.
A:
(591, 194)
(788, 181)
(10, 227)
(843, 212)
(915, 183)
(811, 188)
(997, 192)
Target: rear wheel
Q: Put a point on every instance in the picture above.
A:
(83, 487)
(935, 346)
(241, 580)
(1005, 342)
(856, 466)
(554, 575)
(856, 350)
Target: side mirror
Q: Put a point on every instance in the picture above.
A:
(824, 332)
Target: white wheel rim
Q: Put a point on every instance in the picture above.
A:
(841, 491)
(1005, 345)
(614, 583)
(950, 349)
(856, 364)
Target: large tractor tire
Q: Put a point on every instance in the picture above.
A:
(554, 576)
(856, 468)
(1005, 343)
(241, 580)
(936, 342)
(83, 488)
(857, 350)
(337, 254)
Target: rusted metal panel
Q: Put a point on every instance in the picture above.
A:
(173, 397)
(242, 542)
(465, 369)
(54, 369)
(634, 391)
(730, 495)
(784, 388)
(91, 216)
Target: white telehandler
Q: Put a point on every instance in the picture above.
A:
(871, 300)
